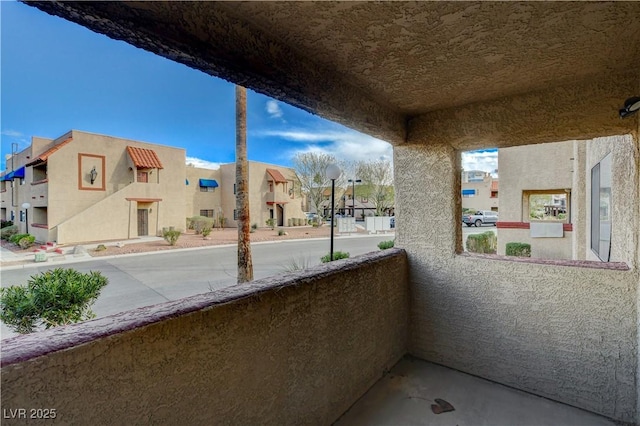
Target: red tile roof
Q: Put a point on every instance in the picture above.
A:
(276, 176)
(45, 155)
(494, 185)
(144, 158)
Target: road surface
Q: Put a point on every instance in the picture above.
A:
(136, 281)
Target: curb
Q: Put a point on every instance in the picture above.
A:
(87, 257)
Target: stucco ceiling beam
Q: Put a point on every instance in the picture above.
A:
(580, 110)
(226, 47)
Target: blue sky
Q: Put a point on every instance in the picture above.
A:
(57, 76)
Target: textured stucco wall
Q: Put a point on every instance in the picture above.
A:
(77, 212)
(541, 167)
(197, 200)
(567, 333)
(625, 218)
(296, 349)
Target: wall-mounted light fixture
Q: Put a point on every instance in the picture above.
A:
(631, 106)
(93, 174)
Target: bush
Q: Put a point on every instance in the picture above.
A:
(254, 226)
(518, 249)
(5, 223)
(487, 242)
(27, 241)
(281, 232)
(383, 245)
(337, 255)
(52, 298)
(15, 238)
(206, 231)
(171, 236)
(198, 223)
(271, 222)
(8, 232)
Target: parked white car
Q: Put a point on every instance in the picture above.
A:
(480, 218)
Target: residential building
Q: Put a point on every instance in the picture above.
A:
(550, 200)
(479, 191)
(304, 347)
(86, 187)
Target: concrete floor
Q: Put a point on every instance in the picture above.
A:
(404, 397)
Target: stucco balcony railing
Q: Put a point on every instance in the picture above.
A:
(299, 348)
(39, 192)
(277, 198)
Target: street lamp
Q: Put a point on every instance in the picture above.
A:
(26, 206)
(333, 173)
(353, 193)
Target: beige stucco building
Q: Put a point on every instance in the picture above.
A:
(86, 187)
(434, 79)
(479, 191)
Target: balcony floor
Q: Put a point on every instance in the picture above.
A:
(404, 397)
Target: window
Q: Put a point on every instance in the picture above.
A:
(550, 205)
(21, 215)
(601, 209)
(207, 189)
(235, 214)
(143, 177)
(234, 189)
(13, 215)
(270, 186)
(494, 194)
(206, 213)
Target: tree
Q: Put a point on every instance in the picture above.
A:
(310, 168)
(52, 298)
(245, 263)
(377, 184)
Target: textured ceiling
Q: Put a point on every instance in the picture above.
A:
(424, 56)
(376, 65)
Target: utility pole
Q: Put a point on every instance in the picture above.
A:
(245, 263)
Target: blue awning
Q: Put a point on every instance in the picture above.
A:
(208, 183)
(468, 192)
(16, 174)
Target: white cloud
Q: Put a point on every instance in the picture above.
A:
(345, 145)
(13, 133)
(485, 160)
(202, 164)
(273, 109)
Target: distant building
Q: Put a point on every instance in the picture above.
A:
(87, 187)
(479, 191)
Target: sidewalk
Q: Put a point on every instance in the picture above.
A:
(61, 254)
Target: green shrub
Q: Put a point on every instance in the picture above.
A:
(281, 232)
(254, 226)
(487, 242)
(518, 249)
(52, 298)
(171, 236)
(27, 241)
(5, 223)
(206, 231)
(383, 245)
(271, 223)
(8, 232)
(337, 255)
(198, 223)
(101, 247)
(15, 238)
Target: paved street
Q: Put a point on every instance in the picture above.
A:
(142, 280)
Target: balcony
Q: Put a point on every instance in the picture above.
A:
(313, 347)
(277, 197)
(39, 192)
